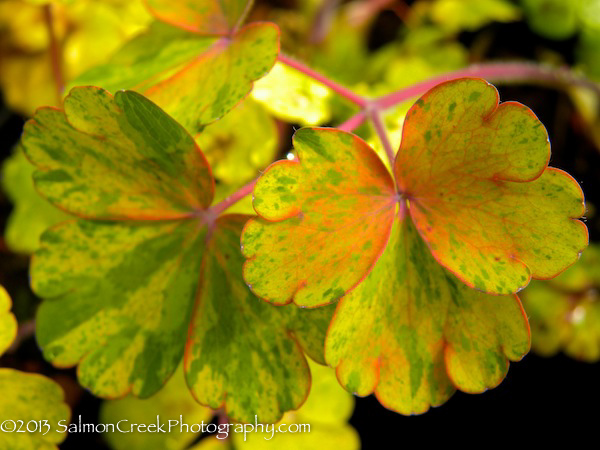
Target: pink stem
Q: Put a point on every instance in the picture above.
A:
(383, 137)
(217, 209)
(55, 58)
(353, 122)
(343, 91)
(492, 71)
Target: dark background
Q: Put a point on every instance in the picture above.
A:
(536, 391)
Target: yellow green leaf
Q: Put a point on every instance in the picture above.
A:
(124, 287)
(116, 158)
(240, 144)
(320, 423)
(32, 214)
(195, 79)
(30, 402)
(8, 323)
(233, 335)
(292, 96)
(412, 333)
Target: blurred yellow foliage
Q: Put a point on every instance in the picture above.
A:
(86, 33)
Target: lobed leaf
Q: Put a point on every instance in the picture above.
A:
(412, 333)
(123, 289)
(27, 397)
(209, 17)
(120, 300)
(479, 190)
(324, 220)
(259, 339)
(116, 158)
(326, 411)
(196, 79)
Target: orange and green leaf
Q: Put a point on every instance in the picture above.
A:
(480, 193)
(412, 332)
(324, 220)
(475, 195)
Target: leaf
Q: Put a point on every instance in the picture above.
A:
(564, 312)
(326, 412)
(324, 220)
(554, 19)
(122, 289)
(8, 323)
(209, 17)
(292, 96)
(87, 32)
(27, 397)
(212, 84)
(32, 214)
(195, 79)
(476, 179)
(118, 158)
(260, 339)
(240, 144)
(412, 333)
(146, 59)
(457, 15)
(170, 403)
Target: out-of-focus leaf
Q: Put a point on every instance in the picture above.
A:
(209, 17)
(565, 311)
(412, 333)
(27, 397)
(32, 214)
(87, 33)
(123, 288)
(171, 403)
(148, 58)
(325, 412)
(8, 323)
(475, 176)
(292, 96)
(458, 15)
(240, 144)
(195, 79)
(554, 19)
(325, 220)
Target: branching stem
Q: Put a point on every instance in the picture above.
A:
(371, 109)
(220, 207)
